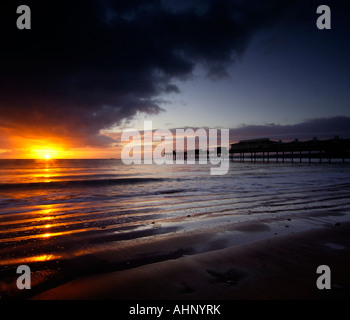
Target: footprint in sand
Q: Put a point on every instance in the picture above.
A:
(231, 277)
(186, 288)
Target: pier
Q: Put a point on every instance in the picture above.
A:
(266, 150)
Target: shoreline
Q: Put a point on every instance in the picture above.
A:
(274, 267)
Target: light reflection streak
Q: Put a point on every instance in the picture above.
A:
(38, 236)
(26, 260)
(44, 257)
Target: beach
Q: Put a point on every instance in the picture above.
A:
(100, 230)
(274, 268)
(157, 150)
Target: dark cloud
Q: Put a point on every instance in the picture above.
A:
(87, 65)
(322, 128)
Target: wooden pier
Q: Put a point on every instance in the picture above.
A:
(265, 150)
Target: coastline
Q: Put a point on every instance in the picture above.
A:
(274, 267)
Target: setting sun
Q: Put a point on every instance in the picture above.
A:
(47, 153)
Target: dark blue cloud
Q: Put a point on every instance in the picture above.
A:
(319, 127)
(87, 65)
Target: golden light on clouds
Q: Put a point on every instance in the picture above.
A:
(51, 148)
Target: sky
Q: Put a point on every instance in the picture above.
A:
(86, 70)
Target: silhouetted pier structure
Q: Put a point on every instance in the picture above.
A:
(196, 154)
(265, 150)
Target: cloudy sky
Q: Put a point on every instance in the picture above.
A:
(88, 69)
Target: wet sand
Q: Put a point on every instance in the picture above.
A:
(102, 229)
(205, 266)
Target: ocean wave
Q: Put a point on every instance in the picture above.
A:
(78, 183)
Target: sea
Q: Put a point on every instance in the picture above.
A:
(55, 214)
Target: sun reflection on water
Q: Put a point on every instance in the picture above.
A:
(44, 257)
(26, 260)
